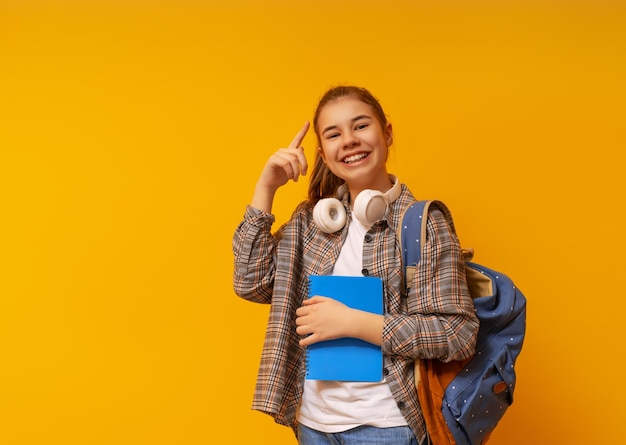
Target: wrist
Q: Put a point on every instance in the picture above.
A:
(263, 198)
(366, 326)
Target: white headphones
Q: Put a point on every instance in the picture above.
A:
(369, 206)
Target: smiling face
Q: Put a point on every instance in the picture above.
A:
(354, 143)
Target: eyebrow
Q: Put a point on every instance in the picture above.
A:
(354, 119)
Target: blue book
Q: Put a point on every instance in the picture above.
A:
(347, 359)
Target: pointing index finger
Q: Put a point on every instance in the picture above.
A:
(300, 136)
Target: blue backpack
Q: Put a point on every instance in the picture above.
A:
(463, 401)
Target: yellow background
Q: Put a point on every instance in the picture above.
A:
(131, 136)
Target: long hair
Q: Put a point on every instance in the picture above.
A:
(323, 182)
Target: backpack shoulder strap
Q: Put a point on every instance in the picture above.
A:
(428, 381)
(412, 236)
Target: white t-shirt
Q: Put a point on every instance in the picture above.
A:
(332, 406)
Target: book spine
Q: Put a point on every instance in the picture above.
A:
(306, 349)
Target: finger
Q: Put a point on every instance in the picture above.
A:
(307, 302)
(301, 313)
(288, 162)
(308, 340)
(303, 330)
(297, 141)
(315, 299)
(297, 163)
(304, 165)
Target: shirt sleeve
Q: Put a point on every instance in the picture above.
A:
(254, 249)
(441, 322)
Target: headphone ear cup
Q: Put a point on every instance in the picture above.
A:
(370, 206)
(329, 215)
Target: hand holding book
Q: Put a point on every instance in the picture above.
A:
(322, 318)
(342, 324)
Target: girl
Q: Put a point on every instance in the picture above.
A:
(353, 137)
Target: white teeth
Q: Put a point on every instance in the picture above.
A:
(354, 158)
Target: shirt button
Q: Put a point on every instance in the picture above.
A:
(368, 238)
(385, 371)
(401, 405)
(365, 272)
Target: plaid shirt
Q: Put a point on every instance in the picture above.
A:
(274, 269)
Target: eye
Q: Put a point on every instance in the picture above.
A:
(361, 126)
(332, 135)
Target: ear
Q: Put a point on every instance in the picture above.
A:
(321, 153)
(389, 134)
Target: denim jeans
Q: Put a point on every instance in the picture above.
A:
(361, 435)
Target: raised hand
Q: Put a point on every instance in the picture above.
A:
(283, 165)
(286, 163)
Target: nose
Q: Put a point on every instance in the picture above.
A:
(350, 140)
